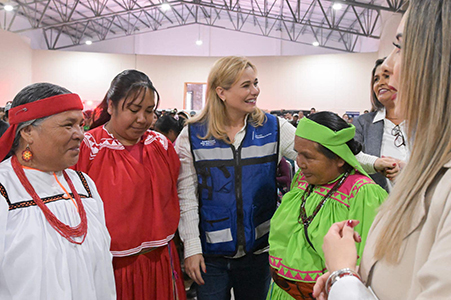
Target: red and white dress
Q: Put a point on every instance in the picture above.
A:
(138, 185)
(36, 261)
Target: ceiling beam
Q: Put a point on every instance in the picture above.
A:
(134, 18)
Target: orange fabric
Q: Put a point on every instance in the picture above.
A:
(67, 193)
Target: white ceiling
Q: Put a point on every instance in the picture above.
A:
(266, 27)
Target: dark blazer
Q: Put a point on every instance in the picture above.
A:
(370, 134)
(3, 127)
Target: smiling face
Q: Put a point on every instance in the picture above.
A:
(241, 97)
(317, 168)
(130, 121)
(55, 143)
(382, 90)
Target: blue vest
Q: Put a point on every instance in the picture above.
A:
(236, 187)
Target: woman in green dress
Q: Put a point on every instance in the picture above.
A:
(330, 186)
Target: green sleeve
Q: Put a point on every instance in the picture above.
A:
(295, 178)
(364, 207)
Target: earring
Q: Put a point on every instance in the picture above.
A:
(27, 155)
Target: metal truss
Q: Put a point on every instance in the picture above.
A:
(66, 23)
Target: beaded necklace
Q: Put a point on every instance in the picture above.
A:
(305, 220)
(64, 230)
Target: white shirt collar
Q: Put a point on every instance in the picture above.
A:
(380, 115)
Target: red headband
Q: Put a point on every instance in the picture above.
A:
(36, 110)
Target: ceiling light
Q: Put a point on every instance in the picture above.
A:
(315, 43)
(199, 42)
(88, 42)
(337, 6)
(8, 7)
(165, 6)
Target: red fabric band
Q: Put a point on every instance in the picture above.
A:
(36, 110)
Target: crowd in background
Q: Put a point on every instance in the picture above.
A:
(292, 115)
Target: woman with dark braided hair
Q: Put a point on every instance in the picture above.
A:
(330, 186)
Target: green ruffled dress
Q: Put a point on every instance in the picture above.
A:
(290, 253)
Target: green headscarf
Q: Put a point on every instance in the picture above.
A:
(334, 141)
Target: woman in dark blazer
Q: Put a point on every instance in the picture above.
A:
(381, 132)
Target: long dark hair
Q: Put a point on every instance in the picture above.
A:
(127, 83)
(375, 104)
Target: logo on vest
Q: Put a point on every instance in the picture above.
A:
(208, 143)
(260, 136)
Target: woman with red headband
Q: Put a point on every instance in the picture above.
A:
(53, 240)
(136, 171)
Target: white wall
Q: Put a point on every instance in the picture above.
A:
(327, 82)
(87, 74)
(15, 65)
(337, 82)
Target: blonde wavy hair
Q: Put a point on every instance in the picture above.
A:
(425, 97)
(225, 73)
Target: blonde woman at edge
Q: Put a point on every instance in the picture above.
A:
(227, 184)
(407, 254)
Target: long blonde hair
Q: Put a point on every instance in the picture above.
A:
(425, 97)
(225, 72)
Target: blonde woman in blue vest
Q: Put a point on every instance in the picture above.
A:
(227, 184)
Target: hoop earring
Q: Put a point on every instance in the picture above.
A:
(27, 155)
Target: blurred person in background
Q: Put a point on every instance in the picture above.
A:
(169, 126)
(3, 127)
